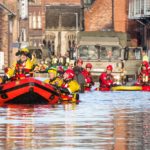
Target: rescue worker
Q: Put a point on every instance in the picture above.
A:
(69, 85)
(78, 69)
(43, 67)
(88, 77)
(20, 69)
(143, 77)
(71, 65)
(53, 78)
(106, 79)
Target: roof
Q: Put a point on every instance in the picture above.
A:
(103, 36)
(5, 8)
(99, 41)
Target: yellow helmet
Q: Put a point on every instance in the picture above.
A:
(25, 50)
(54, 71)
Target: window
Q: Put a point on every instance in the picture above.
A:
(131, 8)
(88, 2)
(138, 8)
(110, 53)
(30, 21)
(23, 35)
(134, 54)
(39, 21)
(10, 25)
(71, 40)
(89, 52)
(34, 21)
(50, 43)
(147, 7)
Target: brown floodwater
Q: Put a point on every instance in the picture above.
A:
(101, 121)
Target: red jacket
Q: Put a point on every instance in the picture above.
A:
(143, 76)
(106, 80)
(88, 77)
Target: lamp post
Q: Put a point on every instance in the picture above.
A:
(77, 28)
(77, 18)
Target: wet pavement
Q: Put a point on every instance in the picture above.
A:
(101, 121)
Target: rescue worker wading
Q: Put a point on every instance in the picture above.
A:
(88, 77)
(69, 85)
(22, 68)
(78, 69)
(143, 78)
(54, 79)
(106, 79)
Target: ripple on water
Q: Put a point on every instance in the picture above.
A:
(101, 121)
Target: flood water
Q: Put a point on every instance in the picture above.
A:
(101, 121)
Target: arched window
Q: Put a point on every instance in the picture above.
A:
(71, 37)
(50, 40)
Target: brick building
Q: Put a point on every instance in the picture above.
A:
(112, 15)
(36, 29)
(106, 15)
(7, 31)
(54, 24)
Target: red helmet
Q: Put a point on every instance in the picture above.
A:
(88, 65)
(145, 63)
(109, 67)
(70, 73)
(60, 69)
(79, 61)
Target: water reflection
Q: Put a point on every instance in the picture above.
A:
(102, 121)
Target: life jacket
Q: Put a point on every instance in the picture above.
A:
(143, 76)
(56, 81)
(72, 85)
(21, 71)
(88, 76)
(106, 80)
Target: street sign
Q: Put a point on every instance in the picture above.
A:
(15, 45)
